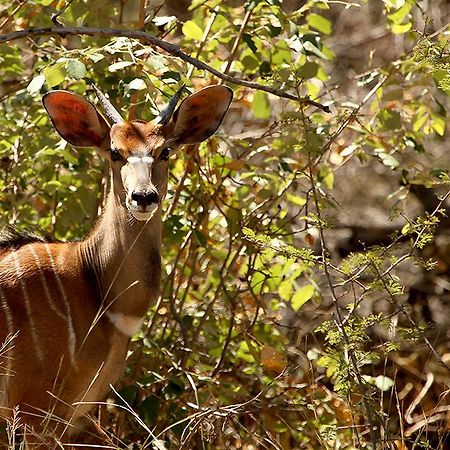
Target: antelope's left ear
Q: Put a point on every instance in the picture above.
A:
(200, 114)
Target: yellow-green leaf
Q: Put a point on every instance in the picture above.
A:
(55, 75)
(296, 199)
(261, 105)
(438, 124)
(320, 23)
(192, 31)
(302, 295)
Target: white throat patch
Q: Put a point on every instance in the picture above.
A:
(126, 324)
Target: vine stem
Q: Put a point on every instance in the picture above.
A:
(170, 48)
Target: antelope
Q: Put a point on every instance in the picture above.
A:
(68, 310)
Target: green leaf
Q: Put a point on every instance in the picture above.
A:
(320, 23)
(302, 295)
(244, 352)
(192, 31)
(438, 124)
(149, 409)
(261, 105)
(296, 199)
(257, 282)
(285, 289)
(174, 389)
(390, 119)
(76, 69)
(250, 42)
(68, 156)
(308, 70)
(55, 74)
(201, 238)
(325, 176)
(401, 28)
(399, 16)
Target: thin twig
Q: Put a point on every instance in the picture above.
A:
(149, 39)
(238, 39)
(204, 39)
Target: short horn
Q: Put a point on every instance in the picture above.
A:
(166, 114)
(111, 113)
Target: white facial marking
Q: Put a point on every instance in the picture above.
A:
(133, 159)
(126, 324)
(138, 159)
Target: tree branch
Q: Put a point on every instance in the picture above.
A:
(146, 38)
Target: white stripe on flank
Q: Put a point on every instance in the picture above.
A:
(45, 285)
(26, 297)
(8, 313)
(126, 324)
(7, 353)
(70, 329)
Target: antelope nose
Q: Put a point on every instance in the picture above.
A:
(143, 198)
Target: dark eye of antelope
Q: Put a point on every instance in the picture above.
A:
(165, 153)
(115, 154)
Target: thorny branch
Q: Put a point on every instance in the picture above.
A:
(172, 49)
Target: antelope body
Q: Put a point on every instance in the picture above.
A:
(68, 310)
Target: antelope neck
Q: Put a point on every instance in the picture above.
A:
(124, 257)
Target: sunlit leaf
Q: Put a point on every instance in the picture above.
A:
(320, 23)
(119, 65)
(261, 106)
(35, 84)
(301, 296)
(55, 74)
(192, 31)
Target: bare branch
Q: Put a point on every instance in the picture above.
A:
(147, 38)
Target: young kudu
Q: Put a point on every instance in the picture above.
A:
(68, 310)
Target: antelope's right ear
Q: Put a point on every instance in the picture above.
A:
(75, 119)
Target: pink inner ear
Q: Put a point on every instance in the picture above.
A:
(210, 97)
(75, 119)
(200, 114)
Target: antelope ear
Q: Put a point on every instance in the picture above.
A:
(200, 114)
(75, 119)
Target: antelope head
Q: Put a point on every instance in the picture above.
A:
(138, 151)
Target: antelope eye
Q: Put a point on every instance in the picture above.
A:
(165, 153)
(115, 155)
